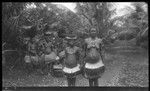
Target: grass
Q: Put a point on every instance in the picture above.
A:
(135, 75)
(122, 69)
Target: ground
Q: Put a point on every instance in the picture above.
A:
(125, 66)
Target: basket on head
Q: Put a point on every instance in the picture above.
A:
(48, 33)
(57, 70)
(93, 30)
(71, 37)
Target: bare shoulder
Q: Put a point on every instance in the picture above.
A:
(99, 39)
(87, 39)
(77, 48)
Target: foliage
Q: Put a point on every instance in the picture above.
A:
(20, 22)
(31, 24)
(10, 14)
(96, 15)
(140, 19)
(134, 23)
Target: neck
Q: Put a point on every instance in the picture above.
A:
(93, 37)
(71, 46)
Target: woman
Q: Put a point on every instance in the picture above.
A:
(71, 63)
(40, 60)
(30, 56)
(50, 56)
(93, 65)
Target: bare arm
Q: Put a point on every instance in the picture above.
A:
(62, 54)
(84, 50)
(79, 55)
(100, 48)
(84, 47)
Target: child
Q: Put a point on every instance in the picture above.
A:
(71, 63)
(93, 67)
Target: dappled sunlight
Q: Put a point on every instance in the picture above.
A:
(70, 6)
(40, 38)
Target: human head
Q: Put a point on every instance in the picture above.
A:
(93, 32)
(71, 39)
(71, 43)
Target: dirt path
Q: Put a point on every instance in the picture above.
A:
(121, 68)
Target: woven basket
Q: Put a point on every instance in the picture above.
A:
(57, 71)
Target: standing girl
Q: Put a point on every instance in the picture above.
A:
(71, 63)
(93, 67)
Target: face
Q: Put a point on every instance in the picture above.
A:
(93, 34)
(71, 43)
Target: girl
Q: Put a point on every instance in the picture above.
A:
(93, 67)
(71, 63)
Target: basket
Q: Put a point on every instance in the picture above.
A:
(57, 71)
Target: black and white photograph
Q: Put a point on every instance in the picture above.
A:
(75, 44)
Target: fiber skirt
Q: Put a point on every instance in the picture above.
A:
(72, 72)
(93, 73)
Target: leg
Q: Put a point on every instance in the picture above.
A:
(45, 68)
(73, 81)
(29, 68)
(96, 82)
(90, 82)
(69, 81)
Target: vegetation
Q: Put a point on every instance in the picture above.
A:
(29, 22)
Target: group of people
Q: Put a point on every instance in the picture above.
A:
(86, 60)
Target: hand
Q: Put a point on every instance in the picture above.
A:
(57, 58)
(81, 66)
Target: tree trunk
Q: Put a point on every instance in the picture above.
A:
(100, 17)
(139, 36)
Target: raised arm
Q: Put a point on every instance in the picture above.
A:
(62, 54)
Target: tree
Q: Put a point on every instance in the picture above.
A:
(134, 21)
(140, 19)
(34, 19)
(97, 15)
(11, 12)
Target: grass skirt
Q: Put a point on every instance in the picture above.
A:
(72, 74)
(93, 73)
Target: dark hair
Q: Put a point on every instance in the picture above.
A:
(31, 32)
(93, 30)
